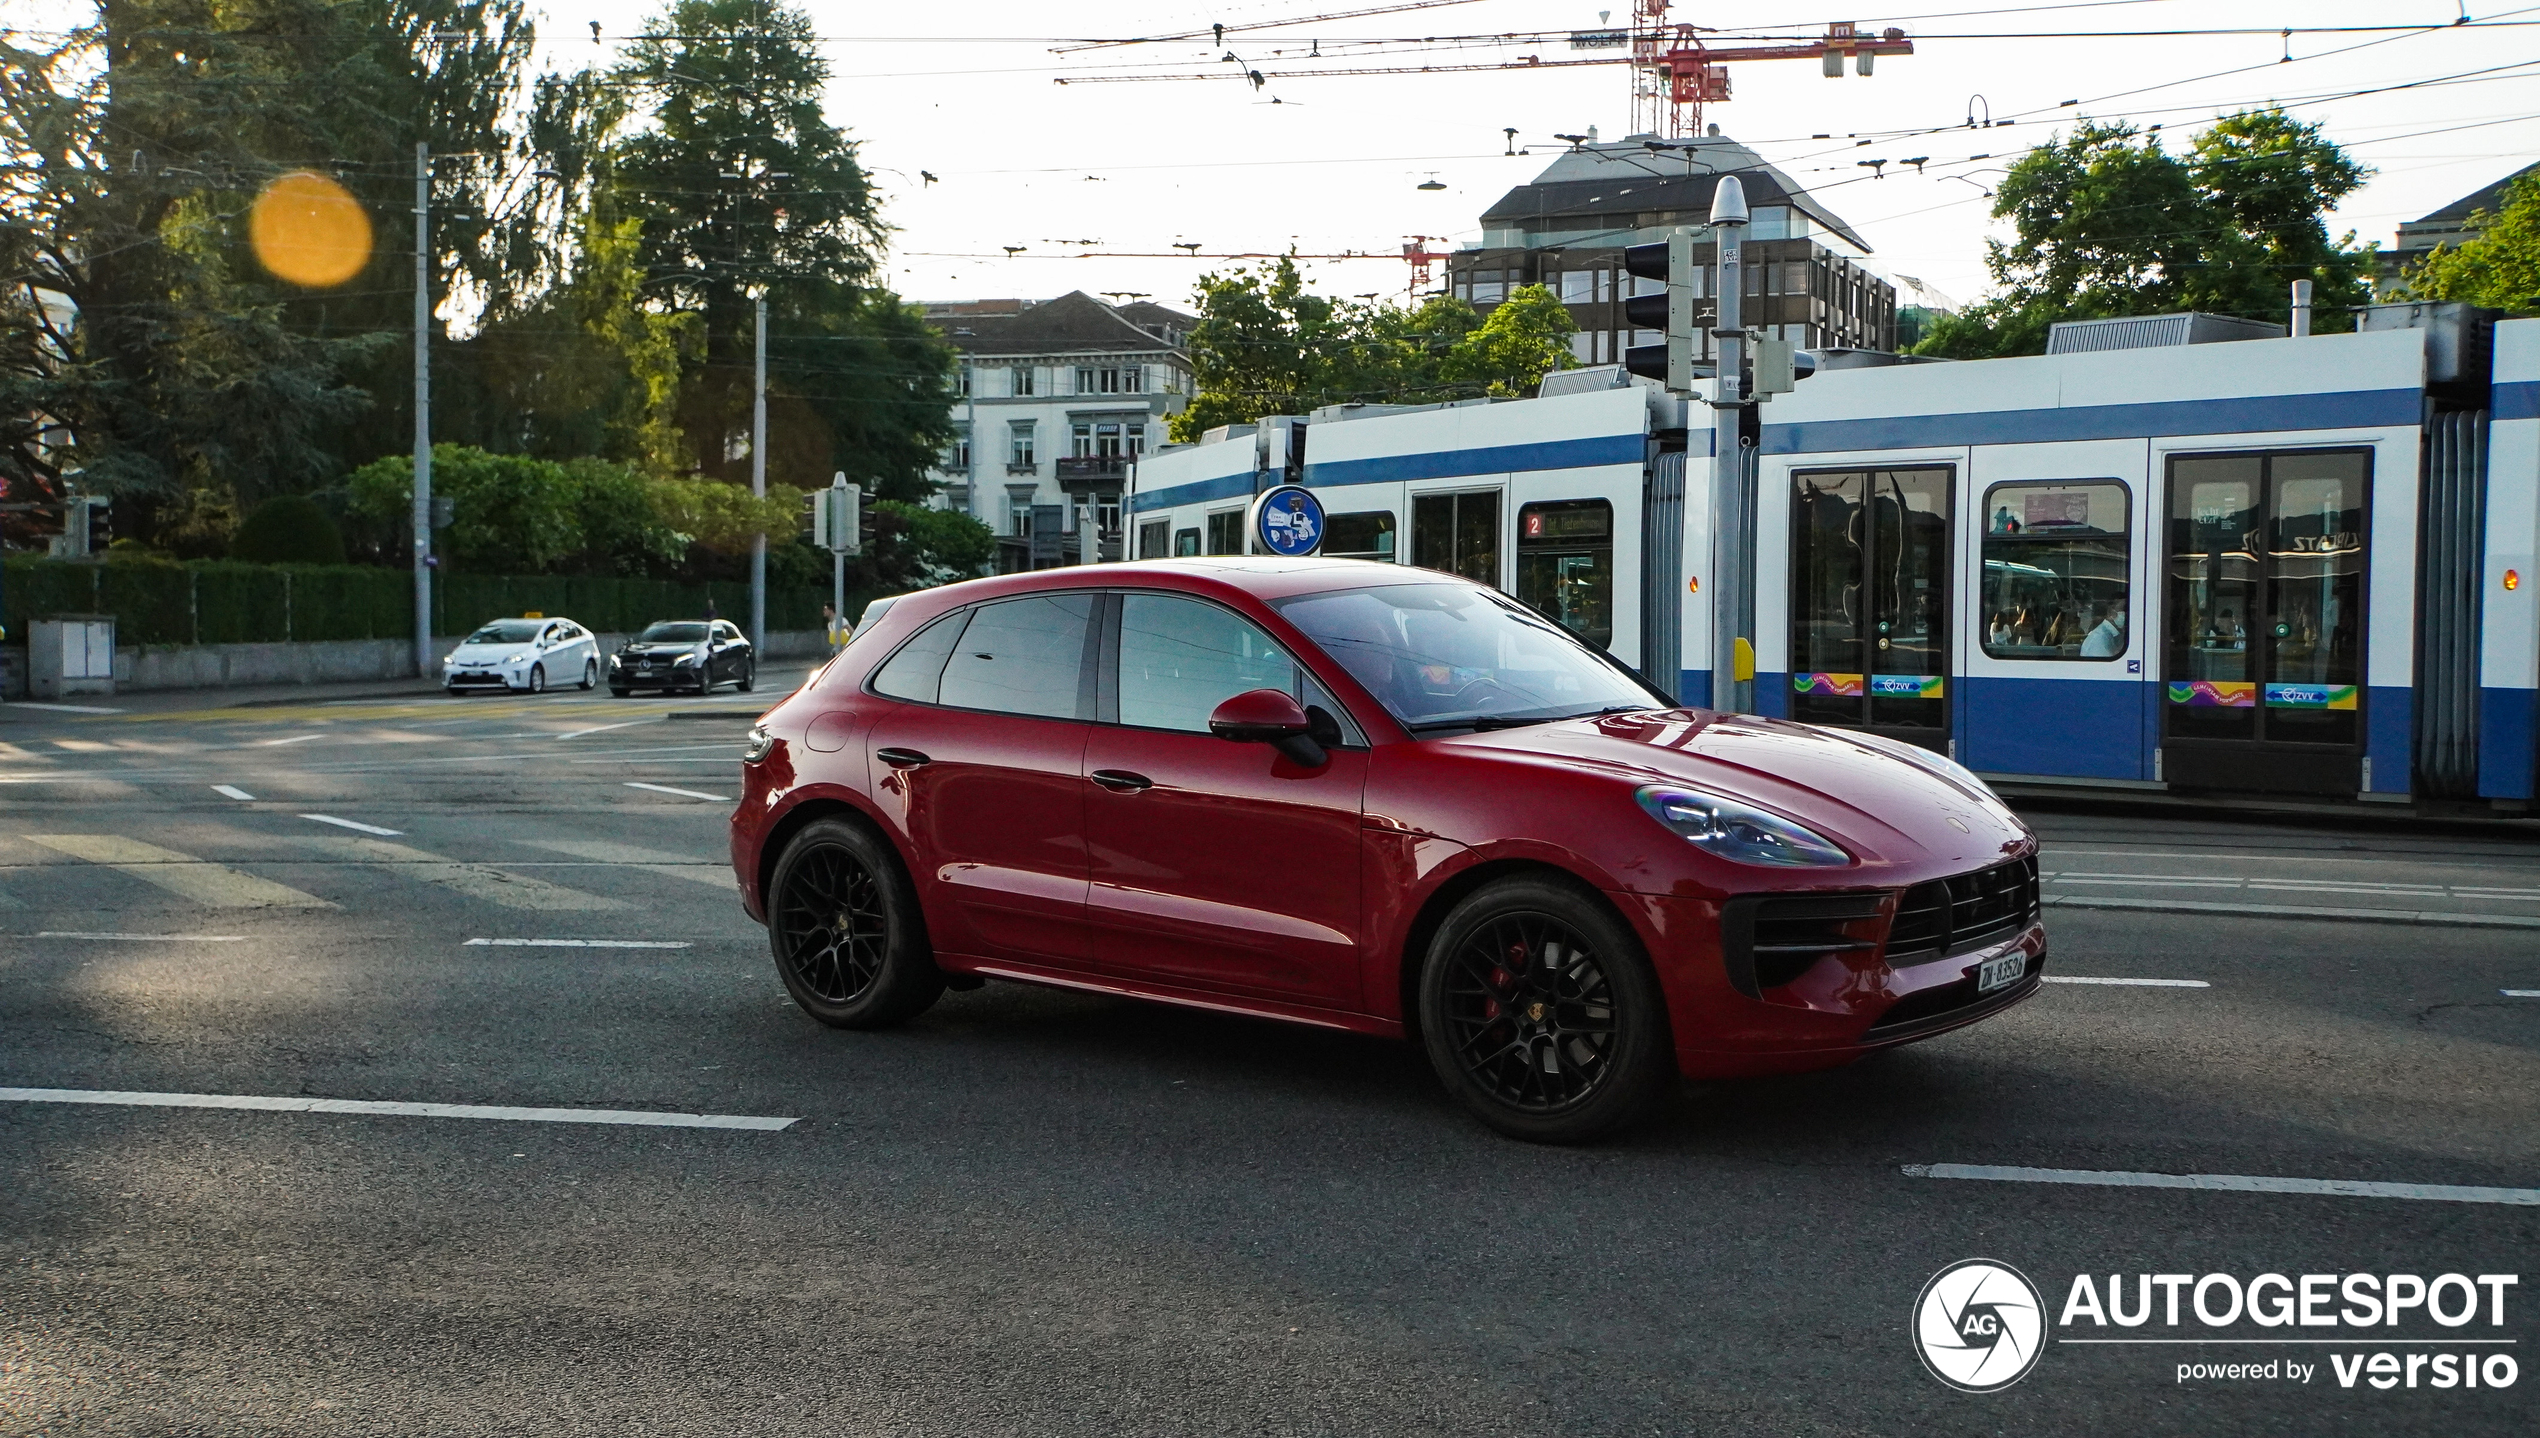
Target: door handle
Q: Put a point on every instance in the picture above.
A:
(1121, 781)
(901, 758)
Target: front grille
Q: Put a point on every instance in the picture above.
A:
(1935, 1004)
(1769, 940)
(1959, 915)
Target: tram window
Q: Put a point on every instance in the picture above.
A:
(1458, 533)
(1226, 532)
(1368, 534)
(1155, 539)
(1565, 565)
(1185, 543)
(2057, 571)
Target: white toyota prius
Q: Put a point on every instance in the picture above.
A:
(527, 655)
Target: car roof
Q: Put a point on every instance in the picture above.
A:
(1261, 577)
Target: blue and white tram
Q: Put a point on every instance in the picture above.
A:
(2296, 566)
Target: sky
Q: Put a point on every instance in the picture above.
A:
(1124, 171)
(967, 93)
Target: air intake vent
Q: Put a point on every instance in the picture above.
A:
(1955, 916)
(1768, 940)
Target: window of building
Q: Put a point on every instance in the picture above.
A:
(1155, 539)
(1226, 532)
(1643, 285)
(961, 380)
(957, 454)
(1107, 513)
(1111, 379)
(1489, 287)
(1137, 439)
(1583, 347)
(2057, 570)
(1185, 543)
(1367, 534)
(1578, 287)
(1019, 443)
(1021, 383)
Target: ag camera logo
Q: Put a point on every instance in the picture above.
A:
(1979, 1325)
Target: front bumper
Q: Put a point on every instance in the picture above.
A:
(458, 679)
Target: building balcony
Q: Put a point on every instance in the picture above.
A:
(1093, 469)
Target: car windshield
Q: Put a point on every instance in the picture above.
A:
(672, 633)
(1447, 656)
(507, 631)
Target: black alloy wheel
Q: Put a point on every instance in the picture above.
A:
(749, 675)
(843, 921)
(1541, 1013)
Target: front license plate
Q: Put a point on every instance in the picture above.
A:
(2000, 973)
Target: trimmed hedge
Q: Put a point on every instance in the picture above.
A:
(224, 602)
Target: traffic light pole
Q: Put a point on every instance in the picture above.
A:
(423, 410)
(1733, 476)
(758, 488)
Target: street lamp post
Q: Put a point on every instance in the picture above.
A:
(423, 411)
(758, 488)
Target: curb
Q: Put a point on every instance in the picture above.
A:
(2288, 911)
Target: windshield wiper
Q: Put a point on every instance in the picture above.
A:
(1482, 723)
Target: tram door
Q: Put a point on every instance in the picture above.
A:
(1869, 603)
(2264, 646)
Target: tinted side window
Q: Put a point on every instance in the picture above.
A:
(1024, 656)
(1180, 659)
(917, 671)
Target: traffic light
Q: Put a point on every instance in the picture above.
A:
(833, 518)
(1672, 313)
(101, 522)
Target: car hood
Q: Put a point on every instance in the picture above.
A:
(1882, 808)
(492, 651)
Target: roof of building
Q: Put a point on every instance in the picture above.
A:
(2423, 232)
(1623, 177)
(1074, 323)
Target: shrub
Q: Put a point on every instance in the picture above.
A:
(287, 529)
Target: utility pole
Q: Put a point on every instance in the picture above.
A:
(758, 488)
(1733, 499)
(423, 410)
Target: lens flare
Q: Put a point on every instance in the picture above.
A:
(309, 230)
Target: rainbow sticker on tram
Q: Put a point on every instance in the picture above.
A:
(2310, 696)
(1843, 686)
(1905, 686)
(2214, 693)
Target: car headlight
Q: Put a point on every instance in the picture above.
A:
(685, 659)
(760, 744)
(1739, 832)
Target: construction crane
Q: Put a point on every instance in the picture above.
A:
(1675, 71)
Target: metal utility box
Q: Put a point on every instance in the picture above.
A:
(70, 654)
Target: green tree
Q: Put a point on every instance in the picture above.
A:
(2107, 222)
(1266, 345)
(2500, 268)
(288, 529)
(744, 188)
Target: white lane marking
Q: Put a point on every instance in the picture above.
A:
(2520, 993)
(231, 791)
(398, 1110)
(350, 824)
(148, 938)
(604, 728)
(2229, 1183)
(476, 881)
(682, 793)
(580, 943)
(713, 873)
(294, 739)
(65, 708)
(182, 874)
(2442, 917)
(2137, 983)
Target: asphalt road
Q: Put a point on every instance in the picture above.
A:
(1039, 1213)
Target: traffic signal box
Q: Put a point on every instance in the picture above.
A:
(834, 518)
(1674, 313)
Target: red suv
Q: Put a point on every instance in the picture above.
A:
(1372, 798)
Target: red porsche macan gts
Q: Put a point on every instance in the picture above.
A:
(1373, 798)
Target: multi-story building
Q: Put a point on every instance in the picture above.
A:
(2450, 225)
(1566, 230)
(1057, 397)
